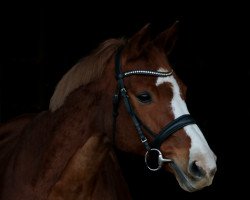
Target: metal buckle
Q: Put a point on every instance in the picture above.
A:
(144, 140)
(161, 160)
(123, 90)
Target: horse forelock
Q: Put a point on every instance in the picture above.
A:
(87, 70)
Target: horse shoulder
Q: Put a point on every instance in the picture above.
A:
(78, 178)
(85, 173)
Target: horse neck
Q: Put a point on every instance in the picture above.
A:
(87, 111)
(92, 103)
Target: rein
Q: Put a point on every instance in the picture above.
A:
(153, 157)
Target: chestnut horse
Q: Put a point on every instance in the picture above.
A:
(124, 94)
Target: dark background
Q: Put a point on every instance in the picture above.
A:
(39, 43)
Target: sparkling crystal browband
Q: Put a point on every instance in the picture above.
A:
(148, 73)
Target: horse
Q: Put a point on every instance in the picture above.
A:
(124, 95)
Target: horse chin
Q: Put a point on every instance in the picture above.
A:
(184, 181)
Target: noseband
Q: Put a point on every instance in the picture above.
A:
(153, 157)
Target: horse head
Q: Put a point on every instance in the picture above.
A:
(153, 116)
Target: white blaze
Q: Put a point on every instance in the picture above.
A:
(199, 147)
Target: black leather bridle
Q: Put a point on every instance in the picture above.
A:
(153, 157)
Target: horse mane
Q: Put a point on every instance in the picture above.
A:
(88, 69)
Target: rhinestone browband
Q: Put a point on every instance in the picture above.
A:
(147, 72)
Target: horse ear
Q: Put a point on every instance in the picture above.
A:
(138, 41)
(166, 39)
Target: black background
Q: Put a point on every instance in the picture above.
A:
(39, 43)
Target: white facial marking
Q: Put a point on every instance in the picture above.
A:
(199, 147)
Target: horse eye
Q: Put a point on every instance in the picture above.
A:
(144, 97)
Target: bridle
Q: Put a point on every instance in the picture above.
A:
(153, 157)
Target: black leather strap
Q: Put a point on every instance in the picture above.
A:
(118, 73)
(171, 128)
(122, 92)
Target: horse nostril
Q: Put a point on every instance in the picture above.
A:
(196, 170)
